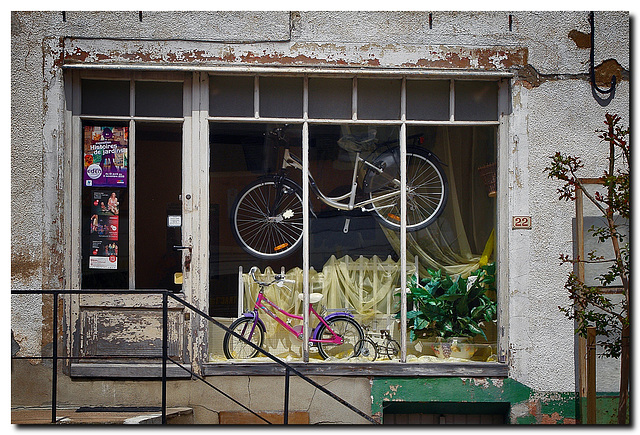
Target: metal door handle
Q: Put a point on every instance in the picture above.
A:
(178, 247)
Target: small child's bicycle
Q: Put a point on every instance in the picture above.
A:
(337, 335)
(370, 349)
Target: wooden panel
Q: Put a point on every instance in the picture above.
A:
(139, 370)
(131, 301)
(125, 331)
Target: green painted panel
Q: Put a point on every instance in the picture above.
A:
(495, 390)
(452, 395)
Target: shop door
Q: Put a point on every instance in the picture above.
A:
(120, 334)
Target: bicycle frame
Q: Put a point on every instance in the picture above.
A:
(292, 161)
(260, 305)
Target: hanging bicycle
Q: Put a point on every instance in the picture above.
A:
(267, 214)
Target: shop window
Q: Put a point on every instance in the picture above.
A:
(428, 100)
(158, 206)
(379, 99)
(281, 97)
(231, 96)
(330, 98)
(354, 256)
(119, 252)
(105, 97)
(159, 99)
(476, 100)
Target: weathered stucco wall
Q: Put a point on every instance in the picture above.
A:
(552, 109)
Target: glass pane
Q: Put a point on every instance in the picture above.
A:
(281, 97)
(458, 246)
(476, 101)
(105, 207)
(428, 100)
(231, 96)
(379, 98)
(105, 97)
(355, 267)
(330, 98)
(159, 99)
(158, 207)
(240, 237)
(593, 219)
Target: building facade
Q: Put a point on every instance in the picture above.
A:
(143, 142)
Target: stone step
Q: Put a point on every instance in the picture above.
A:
(31, 416)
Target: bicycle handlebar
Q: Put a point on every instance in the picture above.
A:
(277, 279)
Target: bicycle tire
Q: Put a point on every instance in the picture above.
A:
(348, 329)
(266, 218)
(367, 349)
(234, 348)
(427, 188)
(392, 349)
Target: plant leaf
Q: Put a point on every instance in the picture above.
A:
(473, 327)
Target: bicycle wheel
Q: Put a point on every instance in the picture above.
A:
(392, 348)
(234, 348)
(366, 349)
(427, 189)
(266, 218)
(345, 327)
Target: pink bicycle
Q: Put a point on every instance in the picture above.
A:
(337, 335)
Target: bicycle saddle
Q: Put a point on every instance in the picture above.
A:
(357, 145)
(313, 297)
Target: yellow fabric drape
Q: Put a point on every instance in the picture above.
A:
(469, 213)
(365, 287)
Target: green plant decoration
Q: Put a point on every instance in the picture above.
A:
(447, 307)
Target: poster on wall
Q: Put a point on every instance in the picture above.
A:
(104, 227)
(105, 156)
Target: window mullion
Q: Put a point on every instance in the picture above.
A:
(403, 222)
(354, 100)
(131, 173)
(452, 100)
(305, 240)
(305, 221)
(256, 97)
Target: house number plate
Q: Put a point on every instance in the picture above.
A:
(521, 222)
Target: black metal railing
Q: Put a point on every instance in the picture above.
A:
(166, 294)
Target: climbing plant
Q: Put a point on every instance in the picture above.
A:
(589, 306)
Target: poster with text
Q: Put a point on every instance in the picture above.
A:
(105, 156)
(103, 230)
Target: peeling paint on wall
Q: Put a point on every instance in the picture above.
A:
(79, 50)
(24, 265)
(582, 40)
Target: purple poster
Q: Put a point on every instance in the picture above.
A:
(105, 156)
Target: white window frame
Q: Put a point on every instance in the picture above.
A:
(501, 123)
(75, 119)
(196, 130)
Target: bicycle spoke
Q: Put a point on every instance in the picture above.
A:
(268, 218)
(425, 192)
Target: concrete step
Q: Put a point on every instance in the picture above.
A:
(245, 417)
(32, 416)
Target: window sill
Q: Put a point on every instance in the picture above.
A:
(451, 369)
(127, 370)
